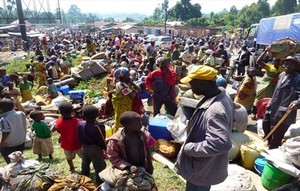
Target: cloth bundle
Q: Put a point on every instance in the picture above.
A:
(73, 182)
(123, 180)
(291, 149)
(284, 47)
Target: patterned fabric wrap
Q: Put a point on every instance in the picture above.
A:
(282, 48)
(119, 73)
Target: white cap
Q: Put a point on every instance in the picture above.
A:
(208, 51)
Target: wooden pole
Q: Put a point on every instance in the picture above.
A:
(278, 124)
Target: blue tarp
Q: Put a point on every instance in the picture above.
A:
(274, 28)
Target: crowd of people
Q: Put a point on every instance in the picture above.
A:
(141, 70)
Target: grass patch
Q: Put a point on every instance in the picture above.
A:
(164, 177)
(18, 66)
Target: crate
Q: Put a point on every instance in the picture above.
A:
(86, 74)
(97, 68)
(76, 94)
(64, 89)
(158, 127)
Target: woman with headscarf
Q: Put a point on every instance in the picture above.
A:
(40, 71)
(246, 91)
(269, 81)
(125, 92)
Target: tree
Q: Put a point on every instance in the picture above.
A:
(128, 20)
(283, 7)
(109, 19)
(74, 14)
(184, 10)
(196, 22)
(158, 13)
(233, 10)
(165, 7)
(253, 13)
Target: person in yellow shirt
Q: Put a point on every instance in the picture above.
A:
(269, 81)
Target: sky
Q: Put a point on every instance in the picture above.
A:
(147, 6)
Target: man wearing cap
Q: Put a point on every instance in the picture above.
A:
(285, 97)
(203, 158)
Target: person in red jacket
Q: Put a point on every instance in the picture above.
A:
(162, 81)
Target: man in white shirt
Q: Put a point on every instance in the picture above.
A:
(187, 56)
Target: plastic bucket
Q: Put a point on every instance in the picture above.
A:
(64, 89)
(273, 178)
(259, 165)
(108, 131)
(248, 156)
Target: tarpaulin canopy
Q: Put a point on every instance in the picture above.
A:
(274, 28)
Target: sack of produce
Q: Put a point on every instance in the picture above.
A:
(167, 148)
(282, 48)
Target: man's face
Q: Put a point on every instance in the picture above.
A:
(289, 66)
(191, 49)
(198, 86)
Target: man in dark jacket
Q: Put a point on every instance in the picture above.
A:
(243, 60)
(203, 158)
(285, 97)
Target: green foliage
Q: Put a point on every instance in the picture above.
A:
(18, 66)
(95, 87)
(253, 13)
(282, 7)
(109, 19)
(165, 178)
(204, 21)
(128, 20)
(151, 21)
(184, 10)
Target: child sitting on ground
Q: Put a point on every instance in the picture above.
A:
(66, 126)
(92, 138)
(129, 147)
(42, 145)
(52, 91)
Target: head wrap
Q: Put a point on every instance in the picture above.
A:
(119, 73)
(209, 51)
(221, 81)
(201, 73)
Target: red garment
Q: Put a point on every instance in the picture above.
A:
(137, 104)
(44, 41)
(67, 128)
(139, 59)
(131, 54)
(172, 47)
(170, 77)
